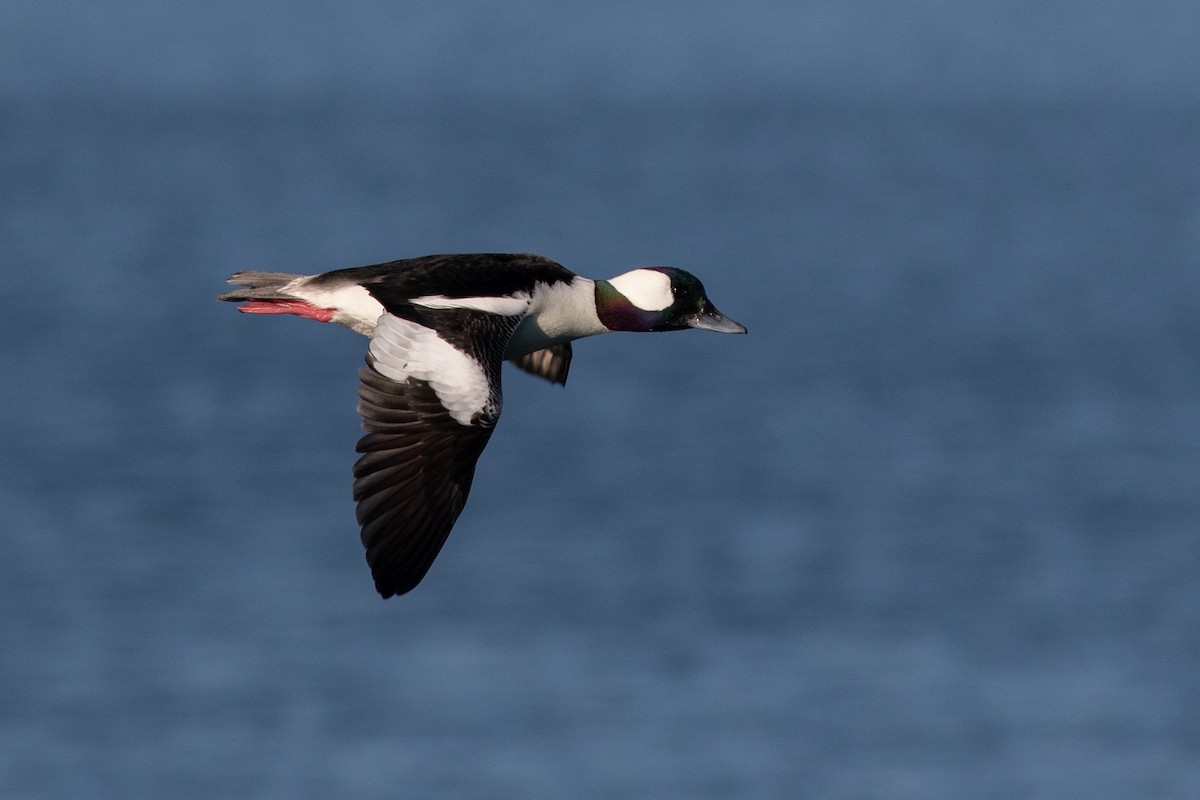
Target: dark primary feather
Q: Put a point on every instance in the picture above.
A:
(417, 462)
(413, 477)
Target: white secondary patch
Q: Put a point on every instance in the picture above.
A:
(505, 306)
(648, 289)
(353, 305)
(403, 349)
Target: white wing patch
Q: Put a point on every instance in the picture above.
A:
(402, 349)
(505, 305)
(648, 289)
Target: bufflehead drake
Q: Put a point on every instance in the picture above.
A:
(429, 395)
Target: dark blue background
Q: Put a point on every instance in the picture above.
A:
(931, 530)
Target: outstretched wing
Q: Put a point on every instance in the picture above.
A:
(412, 479)
(429, 410)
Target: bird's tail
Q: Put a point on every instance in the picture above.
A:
(255, 285)
(273, 293)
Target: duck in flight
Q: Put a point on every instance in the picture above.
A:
(429, 395)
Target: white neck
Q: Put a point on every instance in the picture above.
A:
(560, 312)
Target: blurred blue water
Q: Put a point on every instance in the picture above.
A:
(929, 531)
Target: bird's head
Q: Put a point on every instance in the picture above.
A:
(659, 299)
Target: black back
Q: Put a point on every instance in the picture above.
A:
(452, 275)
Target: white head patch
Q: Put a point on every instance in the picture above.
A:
(402, 349)
(648, 289)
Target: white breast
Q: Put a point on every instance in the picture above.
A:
(559, 312)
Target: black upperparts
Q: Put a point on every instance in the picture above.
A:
(452, 275)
